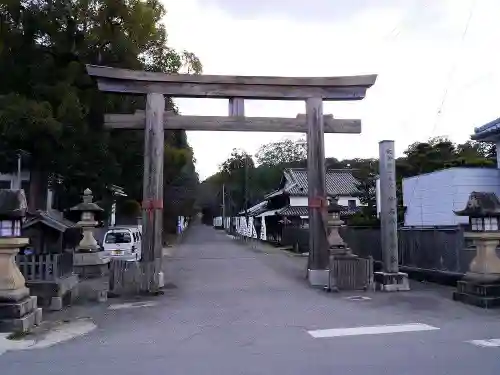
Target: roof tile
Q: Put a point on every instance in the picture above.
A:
(337, 181)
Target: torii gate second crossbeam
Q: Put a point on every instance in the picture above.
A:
(236, 89)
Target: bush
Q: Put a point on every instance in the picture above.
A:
(130, 208)
(361, 220)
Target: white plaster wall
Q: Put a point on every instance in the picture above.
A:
(302, 201)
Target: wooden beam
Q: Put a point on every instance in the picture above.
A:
(212, 86)
(236, 107)
(233, 123)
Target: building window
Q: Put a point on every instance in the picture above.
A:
(4, 184)
(351, 203)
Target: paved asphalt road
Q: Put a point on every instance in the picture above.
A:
(240, 311)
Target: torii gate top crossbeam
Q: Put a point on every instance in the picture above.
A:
(215, 86)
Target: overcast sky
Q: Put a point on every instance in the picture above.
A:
(433, 77)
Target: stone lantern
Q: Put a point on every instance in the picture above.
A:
(88, 259)
(18, 310)
(481, 284)
(335, 242)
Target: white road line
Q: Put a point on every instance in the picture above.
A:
(486, 343)
(373, 330)
(132, 305)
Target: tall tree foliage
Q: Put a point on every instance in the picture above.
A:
(282, 152)
(52, 109)
(237, 174)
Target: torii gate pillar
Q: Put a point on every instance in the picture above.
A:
(152, 203)
(319, 253)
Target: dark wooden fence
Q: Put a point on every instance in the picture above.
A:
(47, 267)
(439, 254)
(442, 249)
(298, 238)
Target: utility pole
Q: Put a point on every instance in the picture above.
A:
(246, 187)
(230, 210)
(224, 206)
(246, 193)
(19, 180)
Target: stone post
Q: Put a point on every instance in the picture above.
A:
(390, 279)
(18, 310)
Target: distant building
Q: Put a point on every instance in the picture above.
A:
(8, 181)
(431, 199)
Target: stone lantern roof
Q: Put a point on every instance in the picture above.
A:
(334, 205)
(12, 203)
(481, 204)
(87, 205)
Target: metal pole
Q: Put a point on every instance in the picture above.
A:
(224, 206)
(19, 181)
(318, 237)
(246, 187)
(246, 195)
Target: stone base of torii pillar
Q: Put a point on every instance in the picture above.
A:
(391, 281)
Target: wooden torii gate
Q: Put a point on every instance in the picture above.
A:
(235, 88)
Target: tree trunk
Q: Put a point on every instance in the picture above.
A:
(37, 196)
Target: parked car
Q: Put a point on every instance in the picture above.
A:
(123, 243)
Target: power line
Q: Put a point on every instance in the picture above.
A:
(445, 93)
(453, 67)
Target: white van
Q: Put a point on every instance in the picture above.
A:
(123, 243)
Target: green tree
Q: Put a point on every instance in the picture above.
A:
(237, 174)
(44, 46)
(282, 152)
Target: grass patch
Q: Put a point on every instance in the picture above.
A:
(18, 335)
